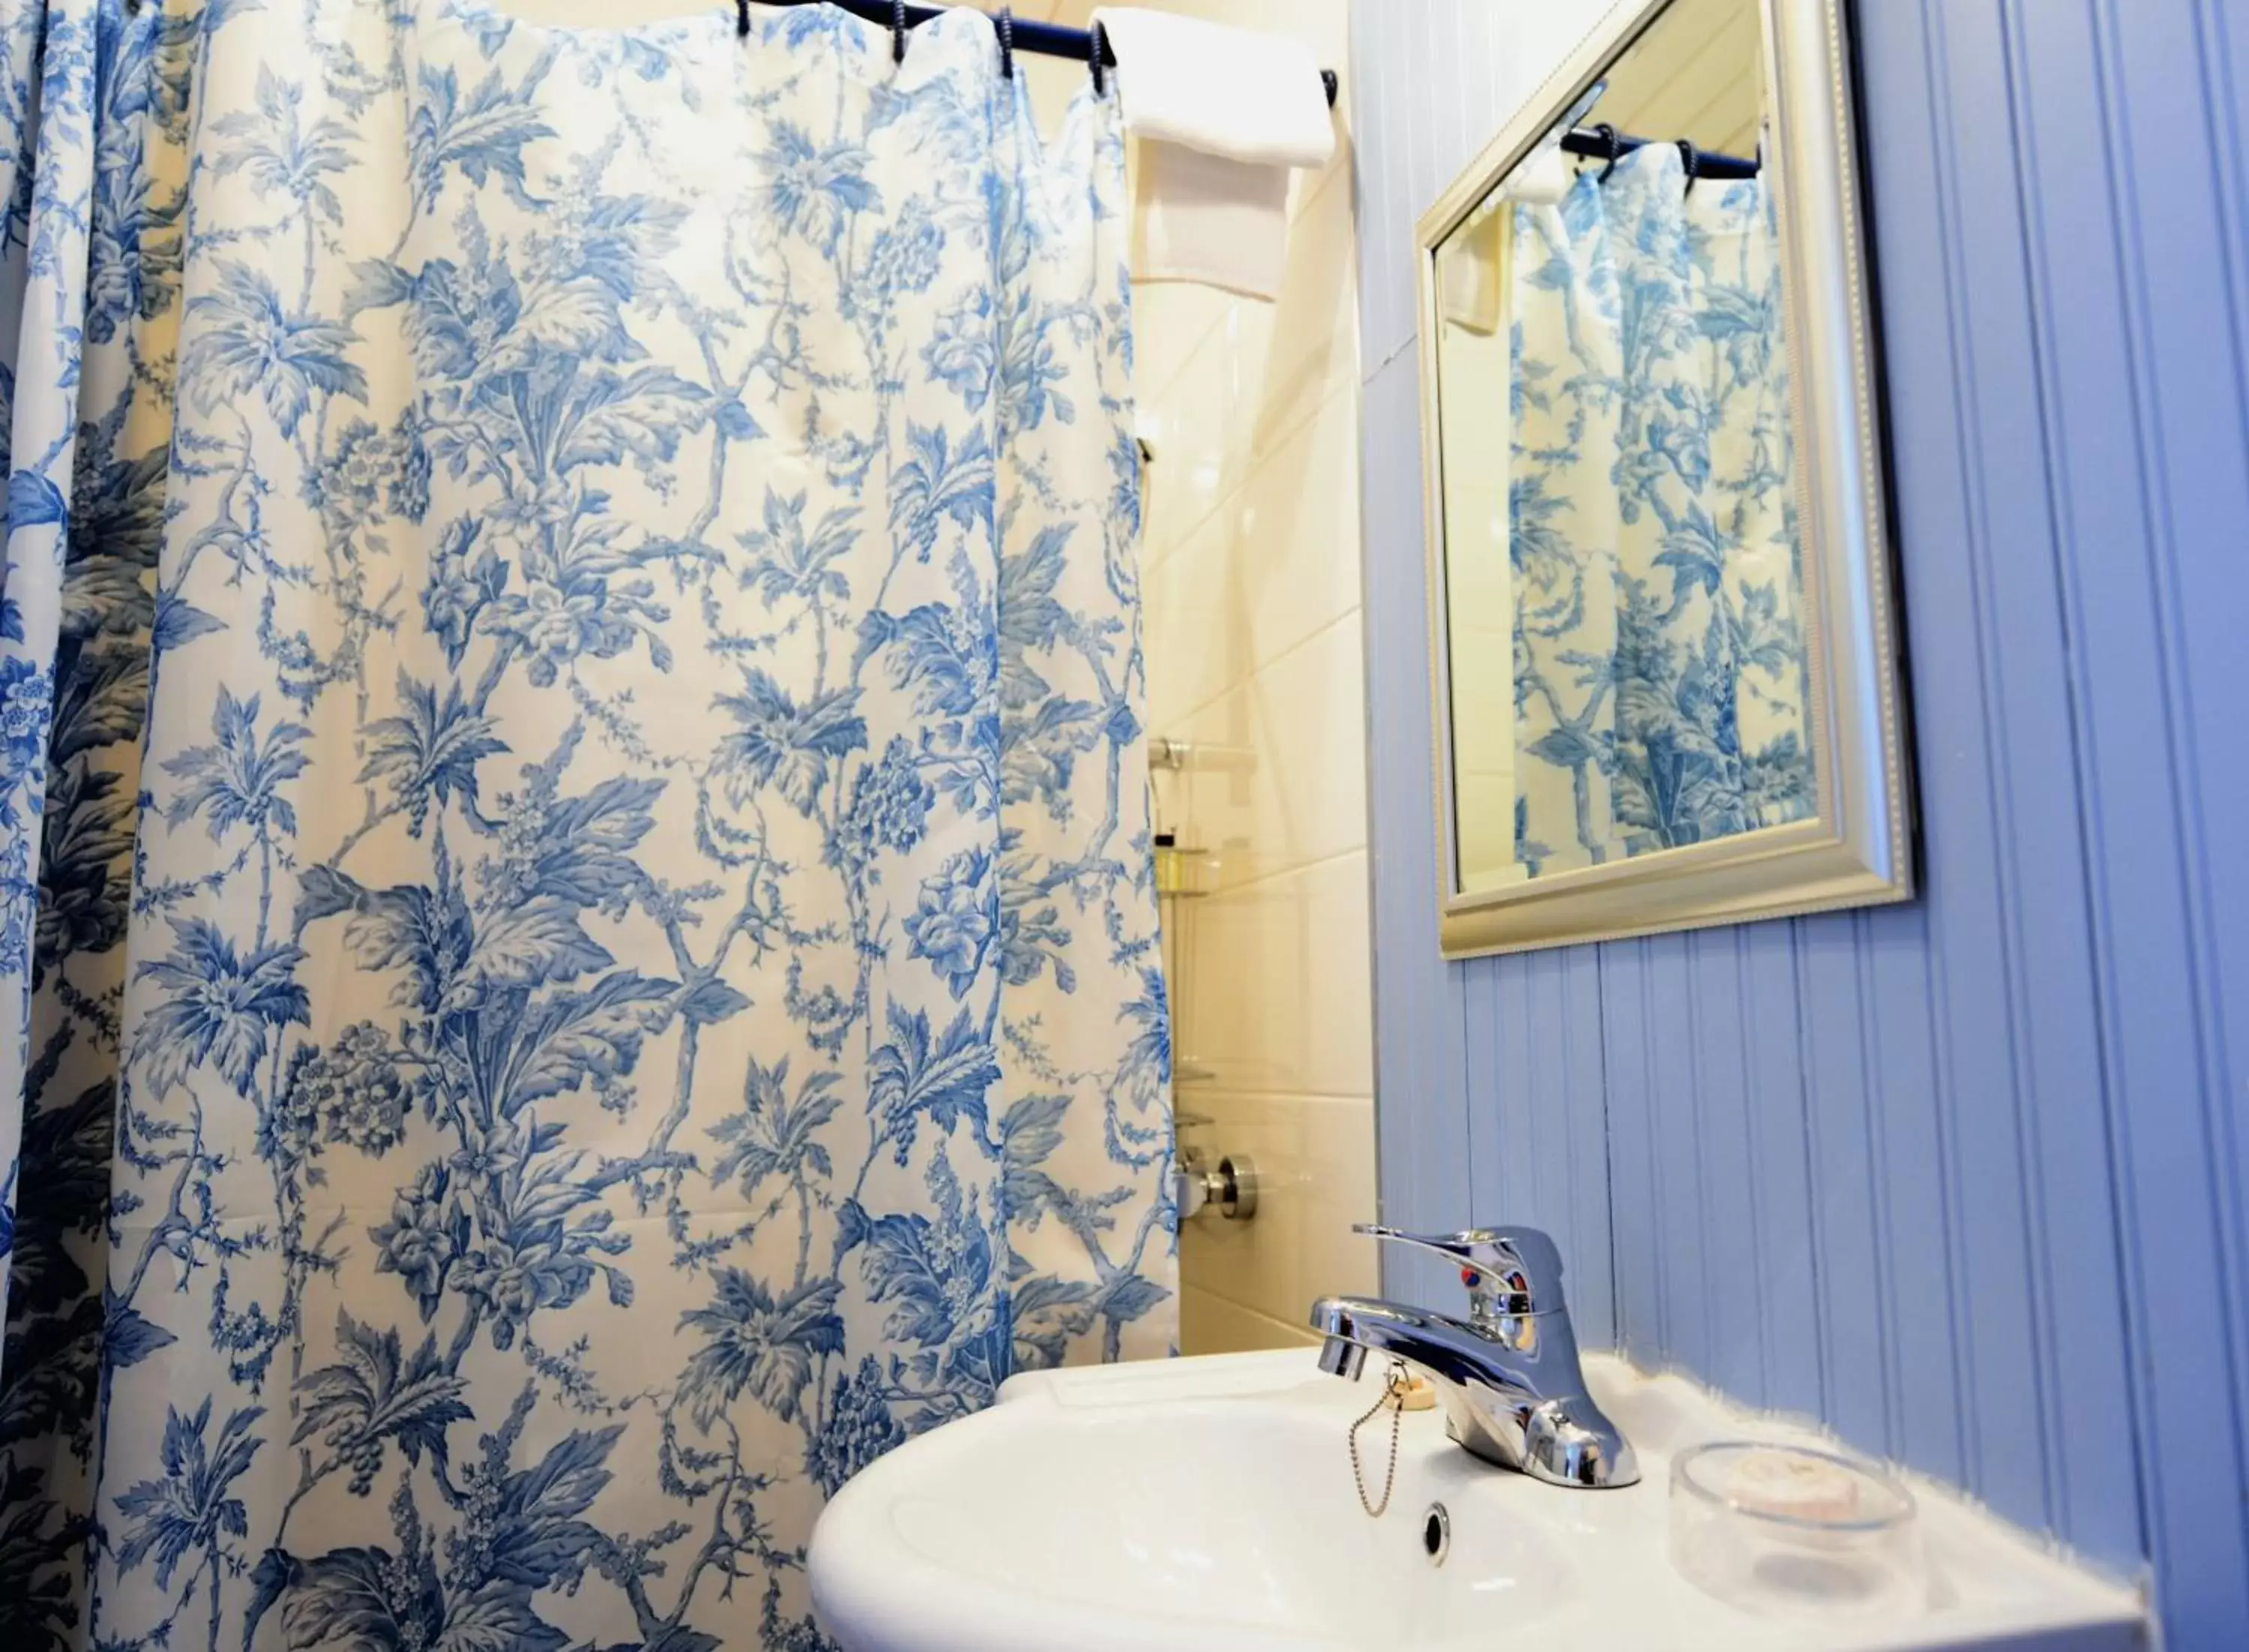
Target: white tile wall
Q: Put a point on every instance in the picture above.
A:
(1305, 799)
(1278, 983)
(1251, 580)
(1212, 1324)
(1275, 567)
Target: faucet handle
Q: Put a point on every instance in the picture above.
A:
(1508, 1271)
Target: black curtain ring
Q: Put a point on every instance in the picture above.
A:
(1099, 52)
(742, 19)
(1005, 22)
(1691, 160)
(1612, 149)
(897, 31)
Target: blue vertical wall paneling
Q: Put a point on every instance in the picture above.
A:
(1969, 1178)
(1440, 1168)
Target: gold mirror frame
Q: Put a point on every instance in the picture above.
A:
(1857, 849)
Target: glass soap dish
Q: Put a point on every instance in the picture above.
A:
(1788, 1529)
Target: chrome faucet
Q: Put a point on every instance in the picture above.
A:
(1508, 1375)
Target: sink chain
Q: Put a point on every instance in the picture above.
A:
(1394, 1388)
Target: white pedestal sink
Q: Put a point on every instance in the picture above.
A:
(1209, 1503)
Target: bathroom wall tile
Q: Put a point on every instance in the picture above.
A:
(1171, 321)
(1278, 778)
(1315, 1159)
(1280, 997)
(1210, 1324)
(1275, 565)
(1314, 343)
(1339, 1170)
(1253, 379)
(1252, 1263)
(1191, 427)
(1196, 639)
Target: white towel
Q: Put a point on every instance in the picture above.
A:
(1223, 115)
(1224, 91)
(1469, 270)
(1472, 264)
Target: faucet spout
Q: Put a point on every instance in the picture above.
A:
(1510, 1384)
(1339, 1357)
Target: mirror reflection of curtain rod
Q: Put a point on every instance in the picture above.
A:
(1047, 39)
(1606, 143)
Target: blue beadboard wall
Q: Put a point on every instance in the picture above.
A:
(1967, 1178)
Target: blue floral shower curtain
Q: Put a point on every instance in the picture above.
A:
(1660, 652)
(578, 880)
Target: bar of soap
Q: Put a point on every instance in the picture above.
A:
(1792, 1486)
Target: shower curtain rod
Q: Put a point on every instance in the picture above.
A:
(1047, 39)
(1606, 143)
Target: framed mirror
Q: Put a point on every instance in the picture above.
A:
(1666, 672)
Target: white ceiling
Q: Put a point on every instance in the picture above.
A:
(1698, 72)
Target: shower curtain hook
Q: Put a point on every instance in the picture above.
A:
(1692, 163)
(1006, 21)
(897, 31)
(1098, 50)
(1612, 146)
(742, 19)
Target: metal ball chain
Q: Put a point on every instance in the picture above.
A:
(1394, 1388)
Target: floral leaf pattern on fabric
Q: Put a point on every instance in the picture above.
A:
(576, 870)
(1661, 687)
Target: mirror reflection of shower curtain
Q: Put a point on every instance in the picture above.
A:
(1660, 686)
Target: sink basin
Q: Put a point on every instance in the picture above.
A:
(1209, 1502)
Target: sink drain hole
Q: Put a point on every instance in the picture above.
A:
(1436, 1534)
